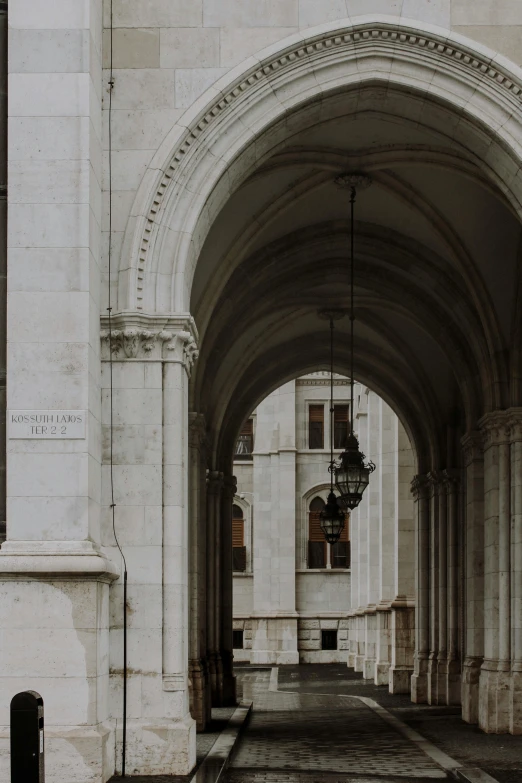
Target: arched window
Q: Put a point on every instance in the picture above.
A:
(317, 546)
(238, 539)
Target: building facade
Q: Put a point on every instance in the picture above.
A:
(173, 226)
(294, 599)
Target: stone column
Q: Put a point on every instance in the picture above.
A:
(218, 596)
(419, 680)
(515, 696)
(374, 493)
(151, 362)
(388, 457)
(227, 656)
(403, 606)
(213, 501)
(434, 483)
(200, 701)
(354, 588)
(473, 458)
(362, 545)
(451, 672)
(171, 708)
(441, 696)
(494, 683)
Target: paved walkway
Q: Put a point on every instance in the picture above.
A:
(295, 737)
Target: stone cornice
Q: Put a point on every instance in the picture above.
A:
(150, 337)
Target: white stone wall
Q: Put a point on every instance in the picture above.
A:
(380, 525)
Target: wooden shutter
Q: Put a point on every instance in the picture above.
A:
(340, 426)
(316, 426)
(316, 541)
(238, 532)
(248, 428)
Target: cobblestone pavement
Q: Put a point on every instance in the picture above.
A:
(499, 755)
(298, 738)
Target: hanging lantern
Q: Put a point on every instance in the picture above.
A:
(332, 519)
(352, 475)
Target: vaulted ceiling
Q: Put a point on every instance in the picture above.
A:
(436, 281)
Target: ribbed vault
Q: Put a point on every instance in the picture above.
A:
(434, 321)
(249, 232)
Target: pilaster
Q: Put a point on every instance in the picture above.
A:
(435, 479)
(473, 459)
(227, 656)
(515, 693)
(153, 448)
(419, 681)
(494, 683)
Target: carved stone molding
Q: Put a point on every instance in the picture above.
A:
(451, 479)
(420, 487)
(514, 417)
(496, 428)
(472, 447)
(214, 482)
(230, 486)
(391, 41)
(138, 336)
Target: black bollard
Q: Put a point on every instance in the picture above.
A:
(27, 738)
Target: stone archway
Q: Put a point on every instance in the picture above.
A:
(253, 329)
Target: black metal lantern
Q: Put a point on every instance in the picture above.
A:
(352, 474)
(332, 519)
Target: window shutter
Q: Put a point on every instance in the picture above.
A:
(316, 413)
(238, 532)
(315, 533)
(340, 426)
(316, 427)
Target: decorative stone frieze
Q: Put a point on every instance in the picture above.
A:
(137, 336)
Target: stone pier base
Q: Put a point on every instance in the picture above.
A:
(419, 681)
(274, 640)
(470, 689)
(494, 699)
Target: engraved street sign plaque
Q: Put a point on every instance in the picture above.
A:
(50, 425)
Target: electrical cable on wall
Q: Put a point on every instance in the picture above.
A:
(111, 426)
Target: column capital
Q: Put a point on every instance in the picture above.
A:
(472, 447)
(496, 429)
(214, 482)
(436, 480)
(451, 479)
(169, 338)
(420, 487)
(514, 417)
(229, 486)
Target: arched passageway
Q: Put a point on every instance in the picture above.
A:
(240, 224)
(237, 236)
